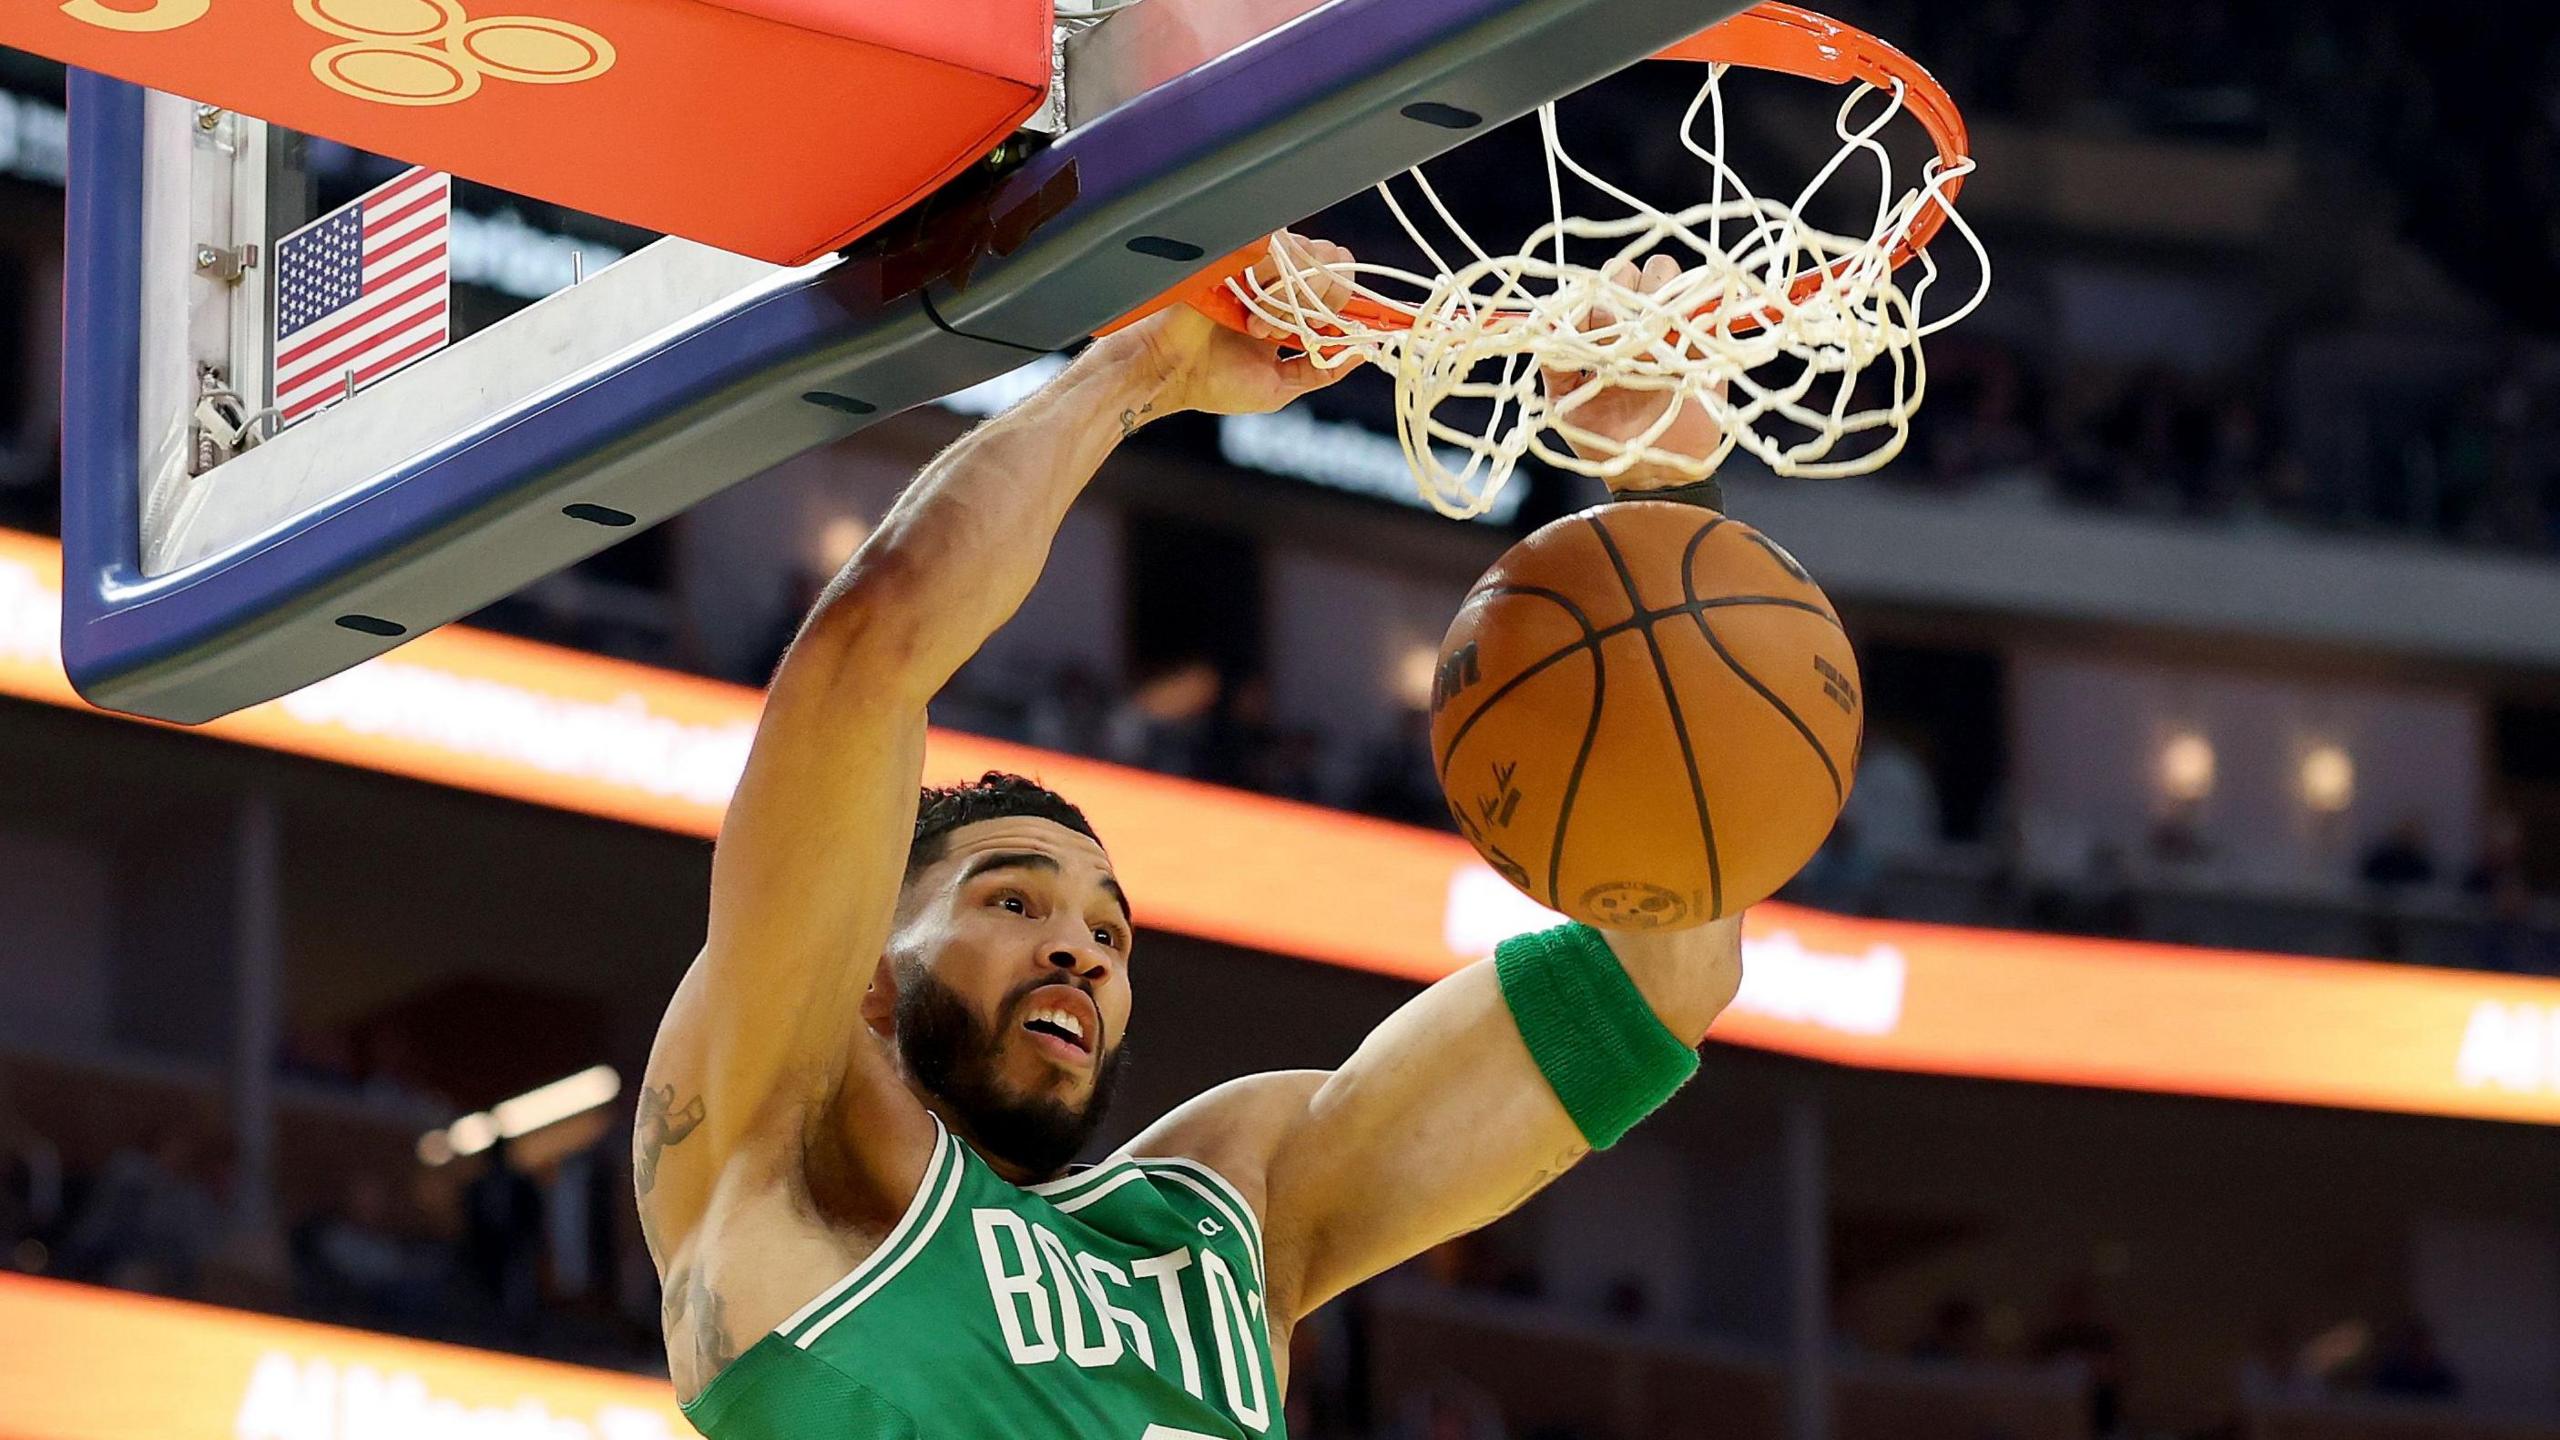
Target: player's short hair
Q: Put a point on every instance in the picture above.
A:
(941, 809)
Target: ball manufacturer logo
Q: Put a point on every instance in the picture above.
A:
(404, 52)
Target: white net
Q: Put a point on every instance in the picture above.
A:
(1791, 338)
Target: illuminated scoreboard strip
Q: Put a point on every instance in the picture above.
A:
(90, 1364)
(554, 727)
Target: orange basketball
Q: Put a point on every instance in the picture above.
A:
(1646, 715)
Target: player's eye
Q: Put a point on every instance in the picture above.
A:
(1013, 900)
(1108, 936)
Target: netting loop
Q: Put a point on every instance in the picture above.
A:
(1788, 338)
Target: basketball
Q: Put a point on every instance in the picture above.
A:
(1646, 716)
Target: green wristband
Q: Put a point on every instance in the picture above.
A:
(1604, 1052)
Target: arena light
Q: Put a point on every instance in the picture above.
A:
(1416, 672)
(2186, 767)
(839, 538)
(2328, 778)
(535, 1109)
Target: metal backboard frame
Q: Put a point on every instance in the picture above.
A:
(1191, 128)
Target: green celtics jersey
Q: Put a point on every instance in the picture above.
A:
(1121, 1303)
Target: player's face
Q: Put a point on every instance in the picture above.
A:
(1014, 1005)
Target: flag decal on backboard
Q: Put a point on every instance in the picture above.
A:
(363, 292)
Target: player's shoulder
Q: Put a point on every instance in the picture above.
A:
(1234, 1128)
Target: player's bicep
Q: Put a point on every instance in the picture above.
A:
(1438, 1124)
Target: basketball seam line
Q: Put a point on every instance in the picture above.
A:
(1671, 701)
(1527, 673)
(1573, 780)
(1592, 636)
(1687, 607)
(1688, 587)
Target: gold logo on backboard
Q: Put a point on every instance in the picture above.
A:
(158, 15)
(431, 52)
(404, 52)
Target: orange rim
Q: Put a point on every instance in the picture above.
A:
(1785, 39)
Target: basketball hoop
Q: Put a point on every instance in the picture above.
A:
(1771, 326)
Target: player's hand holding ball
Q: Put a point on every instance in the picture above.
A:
(1647, 715)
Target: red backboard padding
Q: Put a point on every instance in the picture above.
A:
(780, 129)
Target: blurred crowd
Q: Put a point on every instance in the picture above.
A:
(486, 1265)
(2441, 118)
(2478, 467)
(2408, 895)
(472, 1259)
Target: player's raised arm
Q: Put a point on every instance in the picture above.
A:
(768, 1025)
(1493, 1082)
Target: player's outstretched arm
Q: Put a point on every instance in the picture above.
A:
(767, 1027)
(1443, 1121)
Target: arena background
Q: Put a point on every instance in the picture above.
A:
(2167, 1044)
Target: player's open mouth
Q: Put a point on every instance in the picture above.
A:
(1064, 1022)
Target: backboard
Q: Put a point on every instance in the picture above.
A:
(207, 569)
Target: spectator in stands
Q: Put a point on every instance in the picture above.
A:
(1399, 782)
(502, 1238)
(150, 1219)
(2407, 1364)
(1895, 804)
(1238, 740)
(1448, 1409)
(2101, 903)
(798, 595)
(2276, 1367)
(1626, 1301)
(1842, 876)
(2401, 860)
(30, 1189)
(2079, 1333)
(350, 1262)
(2510, 939)
(2177, 838)
(395, 1072)
(2501, 856)
(1070, 712)
(1164, 724)
(1955, 1333)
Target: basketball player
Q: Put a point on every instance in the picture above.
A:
(853, 1137)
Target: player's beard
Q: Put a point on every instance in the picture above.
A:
(952, 1052)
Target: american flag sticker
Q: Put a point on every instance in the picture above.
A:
(362, 292)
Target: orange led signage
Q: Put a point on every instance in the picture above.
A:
(554, 727)
(89, 1364)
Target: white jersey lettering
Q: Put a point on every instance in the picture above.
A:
(1166, 1270)
(1016, 1286)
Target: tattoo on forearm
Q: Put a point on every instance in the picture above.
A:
(1129, 418)
(662, 1123)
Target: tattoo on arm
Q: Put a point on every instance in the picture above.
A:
(689, 1299)
(1129, 418)
(662, 1123)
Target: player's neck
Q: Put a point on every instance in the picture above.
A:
(958, 1125)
